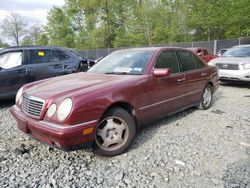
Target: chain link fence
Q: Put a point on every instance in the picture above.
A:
(212, 46)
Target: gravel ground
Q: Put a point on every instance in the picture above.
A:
(193, 148)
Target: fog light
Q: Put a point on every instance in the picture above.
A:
(87, 131)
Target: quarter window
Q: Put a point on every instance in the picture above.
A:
(198, 62)
(62, 55)
(187, 60)
(11, 59)
(168, 60)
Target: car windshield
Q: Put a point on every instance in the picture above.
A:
(10, 60)
(237, 52)
(123, 62)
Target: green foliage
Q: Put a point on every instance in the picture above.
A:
(3, 44)
(86, 24)
(35, 36)
(27, 41)
(59, 28)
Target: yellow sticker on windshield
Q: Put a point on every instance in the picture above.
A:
(40, 53)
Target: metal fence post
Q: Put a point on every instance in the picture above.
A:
(215, 46)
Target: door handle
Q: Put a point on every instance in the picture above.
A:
(181, 79)
(58, 66)
(204, 74)
(21, 71)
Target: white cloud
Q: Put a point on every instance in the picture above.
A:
(32, 11)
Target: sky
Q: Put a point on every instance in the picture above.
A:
(32, 11)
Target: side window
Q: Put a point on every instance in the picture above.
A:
(54, 56)
(168, 60)
(187, 60)
(38, 56)
(11, 59)
(198, 62)
(62, 55)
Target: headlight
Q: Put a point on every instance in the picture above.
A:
(64, 109)
(211, 64)
(51, 111)
(246, 66)
(19, 94)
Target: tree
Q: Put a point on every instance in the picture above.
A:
(88, 24)
(59, 28)
(27, 41)
(3, 44)
(35, 36)
(13, 27)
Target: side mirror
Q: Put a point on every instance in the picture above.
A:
(162, 72)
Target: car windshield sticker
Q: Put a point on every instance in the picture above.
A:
(40, 53)
(123, 69)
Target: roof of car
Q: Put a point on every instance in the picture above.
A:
(33, 47)
(153, 48)
(245, 45)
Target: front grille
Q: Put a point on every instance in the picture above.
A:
(227, 66)
(32, 105)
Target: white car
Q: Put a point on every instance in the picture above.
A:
(234, 64)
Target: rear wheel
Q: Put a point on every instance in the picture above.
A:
(206, 99)
(115, 133)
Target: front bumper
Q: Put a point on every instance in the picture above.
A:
(64, 137)
(234, 75)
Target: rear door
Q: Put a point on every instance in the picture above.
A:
(44, 63)
(166, 93)
(196, 76)
(13, 73)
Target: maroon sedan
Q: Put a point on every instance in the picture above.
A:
(106, 105)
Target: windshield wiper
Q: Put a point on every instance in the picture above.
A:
(123, 73)
(119, 73)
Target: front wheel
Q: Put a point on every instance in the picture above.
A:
(206, 99)
(115, 133)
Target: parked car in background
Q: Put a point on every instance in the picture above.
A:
(25, 64)
(221, 51)
(123, 91)
(234, 64)
(203, 53)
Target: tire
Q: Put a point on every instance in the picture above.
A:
(206, 99)
(115, 133)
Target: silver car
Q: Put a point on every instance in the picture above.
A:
(234, 64)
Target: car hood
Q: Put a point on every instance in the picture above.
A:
(73, 84)
(231, 60)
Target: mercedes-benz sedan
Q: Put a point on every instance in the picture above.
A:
(123, 91)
